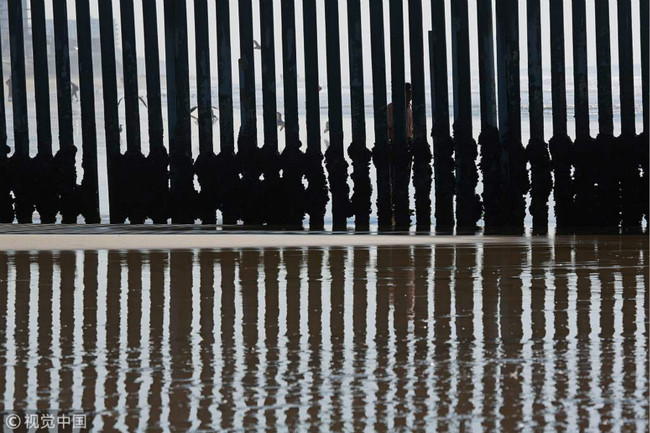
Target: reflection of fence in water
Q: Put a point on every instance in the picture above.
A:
(596, 182)
(401, 337)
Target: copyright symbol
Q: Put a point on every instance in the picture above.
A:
(12, 421)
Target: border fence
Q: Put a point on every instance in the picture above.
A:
(597, 180)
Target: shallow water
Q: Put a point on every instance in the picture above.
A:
(543, 335)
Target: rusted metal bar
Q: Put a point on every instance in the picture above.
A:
(229, 179)
(317, 189)
(45, 194)
(270, 162)
(64, 159)
(89, 192)
(21, 180)
(421, 151)
(468, 203)
(443, 147)
(537, 149)
(514, 177)
(381, 150)
(401, 159)
(111, 120)
(358, 152)
(292, 158)
(157, 201)
(180, 150)
(6, 201)
(337, 166)
(205, 165)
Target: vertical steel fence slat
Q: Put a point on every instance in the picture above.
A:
(358, 152)
(21, 179)
(337, 167)
(537, 149)
(111, 120)
(317, 196)
(90, 182)
(645, 80)
(6, 201)
(381, 150)
(421, 151)
(468, 204)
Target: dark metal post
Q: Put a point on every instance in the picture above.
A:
(6, 207)
(229, 179)
(337, 167)
(133, 162)
(468, 203)
(400, 146)
(205, 166)
(22, 177)
(642, 140)
(157, 202)
(90, 183)
(489, 137)
(537, 150)
(45, 194)
(631, 210)
(608, 192)
(443, 146)
(421, 151)
(271, 158)
(381, 151)
(65, 157)
(317, 190)
(514, 183)
(247, 140)
(358, 152)
(180, 150)
(111, 120)
(292, 158)
(560, 144)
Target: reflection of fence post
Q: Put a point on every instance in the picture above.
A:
(6, 207)
(337, 167)
(132, 171)
(401, 155)
(420, 150)
(443, 147)
(229, 179)
(381, 150)
(205, 165)
(489, 136)
(270, 158)
(45, 183)
(537, 150)
(21, 179)
(642, 139)
(607, 210)
(358, 152)
(513, 170)
(631, 211)
(111, 122)
(317, 190)
(64, 159)
(468, 203)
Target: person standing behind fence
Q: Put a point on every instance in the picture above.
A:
(8, 88)
(409, 116)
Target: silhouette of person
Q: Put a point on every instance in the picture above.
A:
(8, 88)
(75, 91)
(409, 115)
